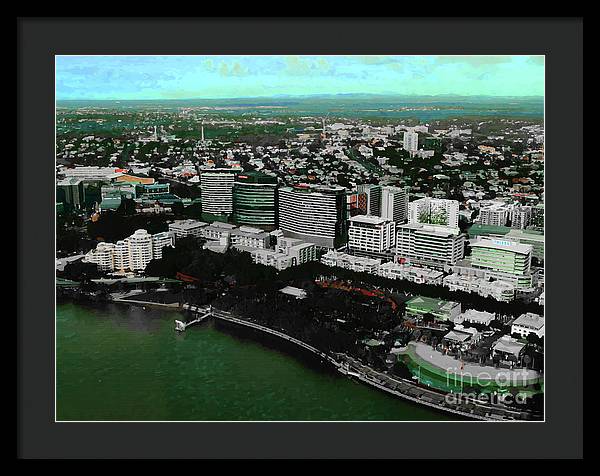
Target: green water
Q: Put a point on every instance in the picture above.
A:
(126, 363)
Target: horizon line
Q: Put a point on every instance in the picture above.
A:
(303, 96)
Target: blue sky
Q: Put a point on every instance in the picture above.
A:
(183, 77)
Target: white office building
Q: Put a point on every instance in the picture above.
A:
(216, 188)
(316, 214)
(285, 256)
(394, 204)
(429, 245)
(434, 211)
(185, 228)
(371, 234)
(250, 237)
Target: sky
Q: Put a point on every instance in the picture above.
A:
(208, 77)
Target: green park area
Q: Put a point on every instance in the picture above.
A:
(438, 374)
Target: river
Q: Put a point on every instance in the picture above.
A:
(125, 363)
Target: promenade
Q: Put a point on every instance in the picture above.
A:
(467, 407)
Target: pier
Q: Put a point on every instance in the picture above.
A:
(202, 313)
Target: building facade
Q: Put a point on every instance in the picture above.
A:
(394, 204)
(371, 234)
(411, 141)
(505, 258)
(185, 228)
(216, 189)
(434, 211)
(429, 245)
(316, 214)
(255, 199)
(133, 253)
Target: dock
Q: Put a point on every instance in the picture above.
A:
(202, 313)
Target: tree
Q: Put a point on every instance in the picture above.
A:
(127, 207)
(80, 271)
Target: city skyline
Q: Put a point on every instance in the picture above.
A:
(230, 77)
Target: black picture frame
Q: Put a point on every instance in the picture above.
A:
(560, 40)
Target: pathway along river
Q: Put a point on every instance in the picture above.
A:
(119, 362)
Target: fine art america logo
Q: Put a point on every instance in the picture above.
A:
(502, 381)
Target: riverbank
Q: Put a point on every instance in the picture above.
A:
(120, 362)
(469, 408)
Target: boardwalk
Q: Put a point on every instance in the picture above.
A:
(467, 408)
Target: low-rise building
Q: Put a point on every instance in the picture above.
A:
(286, 254)
(393, 270)
(472, 316)
(298, 293)
(351, 262)
(508, 349)
(185, 228)
(482, 285)
(250, 237)
(528, 323)
(218, 230)
(441, 310)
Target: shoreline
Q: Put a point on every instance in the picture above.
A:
(348, 369)
(353, 375)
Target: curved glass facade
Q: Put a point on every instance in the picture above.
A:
(255, 200)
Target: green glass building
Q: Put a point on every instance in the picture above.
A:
(255, 199)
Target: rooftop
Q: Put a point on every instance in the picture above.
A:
(509, 345)
(369, 219)
(298, 293)
(530, 319)
(437, 229)
(430, 304)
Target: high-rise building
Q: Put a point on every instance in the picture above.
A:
(140, 250)
(371, 234)
(160, 241)
(255, 199)
(411, 141)
(520, 217)
(434, 211)
(394, 204)
(216, 188)
(373, 198)
(316, 214)
(133, 253)
(496, 214)
(430, 245)
(537, 216)
(71, 191)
